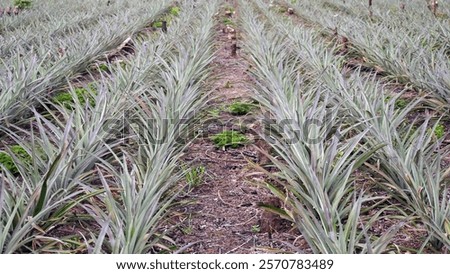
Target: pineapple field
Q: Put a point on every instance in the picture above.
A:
(224, 126)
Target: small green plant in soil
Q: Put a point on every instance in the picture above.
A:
(175, 11)
(188, 229)
(23, 4)
(401, 103)
(439, 131)
(256, 229)
(240, 108)
(157, 24)
(228, 22)
(103, 67)
(229, 138)
(7, 161)
(65, 98)
(194, 176)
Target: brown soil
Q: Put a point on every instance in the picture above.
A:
(222, 213)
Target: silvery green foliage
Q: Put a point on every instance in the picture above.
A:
(409, 45)
(126, 141)
(171, 72)
(296, 77)
(300, 79)
(62, 40)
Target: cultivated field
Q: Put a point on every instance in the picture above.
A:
(224, 126)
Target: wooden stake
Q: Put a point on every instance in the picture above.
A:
(164, 26)
(344, 44)
(234, 46)
(434, 5)
(234, 49)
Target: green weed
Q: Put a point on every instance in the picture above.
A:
(439, 131)
(7, 161)
(194, 176)
(175, 11)
(157, 24)
(229, 138)
(103, 67)
(23, 4)
(65, 98)
(228, 22)
(401, 103)
(239, 108)
(256, 229)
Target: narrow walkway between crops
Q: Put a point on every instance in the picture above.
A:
(222, 214)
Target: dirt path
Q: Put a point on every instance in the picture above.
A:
(223, 214)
